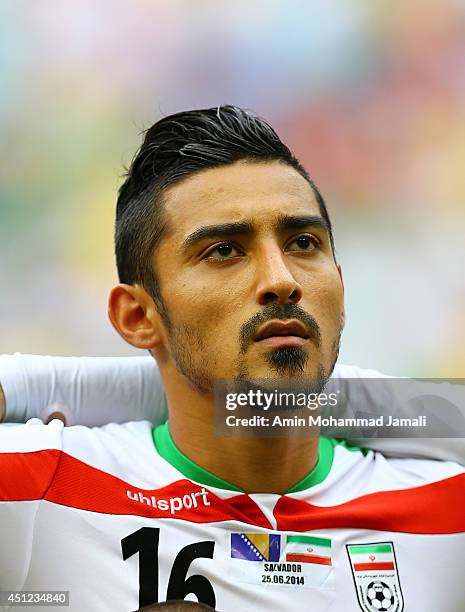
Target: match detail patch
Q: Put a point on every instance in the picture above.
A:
(282, 560)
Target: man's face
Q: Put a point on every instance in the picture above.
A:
(249, 284)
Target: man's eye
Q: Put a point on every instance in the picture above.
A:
(226, 250)
(304, 243)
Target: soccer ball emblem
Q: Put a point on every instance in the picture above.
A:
(380, 597)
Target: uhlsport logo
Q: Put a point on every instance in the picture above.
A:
(376, 578)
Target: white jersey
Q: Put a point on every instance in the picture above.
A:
(118, 517)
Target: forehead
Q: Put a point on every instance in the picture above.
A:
(256, 192)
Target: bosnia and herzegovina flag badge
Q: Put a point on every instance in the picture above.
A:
(256, 546)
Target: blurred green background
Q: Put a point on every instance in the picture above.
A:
(370, 96)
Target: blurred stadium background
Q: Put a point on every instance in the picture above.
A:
(370, 95)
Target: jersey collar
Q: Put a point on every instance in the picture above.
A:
(167, 449)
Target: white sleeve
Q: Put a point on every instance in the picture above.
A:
(445, 449)
(87, 390)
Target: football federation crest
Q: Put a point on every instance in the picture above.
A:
(374, 569)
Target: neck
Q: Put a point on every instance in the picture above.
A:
(255, 465)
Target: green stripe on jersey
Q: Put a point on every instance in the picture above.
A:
(300, 539)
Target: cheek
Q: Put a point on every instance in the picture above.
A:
(211, 315)
(205, 296)
(325, 301)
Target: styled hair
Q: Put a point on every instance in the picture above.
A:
(173, 149)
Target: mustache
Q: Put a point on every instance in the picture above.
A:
(280, 312)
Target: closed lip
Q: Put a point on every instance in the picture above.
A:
(281, 328)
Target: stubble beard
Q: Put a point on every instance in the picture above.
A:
(184, 343)
(289, 363)
(186, 365)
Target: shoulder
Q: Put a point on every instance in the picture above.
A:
(106, 448)
(111, 438)
(364, 489)
(371, 471)
(36, 436)
(364, 477)
(125, 450)
(32, 436)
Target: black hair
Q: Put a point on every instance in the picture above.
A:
(173, 149)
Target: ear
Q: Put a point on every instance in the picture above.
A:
(343, 315)
(134, 316)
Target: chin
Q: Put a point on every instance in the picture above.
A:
(289, 362)
(283, 365)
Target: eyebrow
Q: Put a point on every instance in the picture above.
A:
(246, 228)
(301, 221)
(215, 231)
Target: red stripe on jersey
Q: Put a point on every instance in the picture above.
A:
(79, 485)
(433, 508)
(369, 567)
(26, 476)
(296, 558)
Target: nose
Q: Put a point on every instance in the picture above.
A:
(275, 281)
